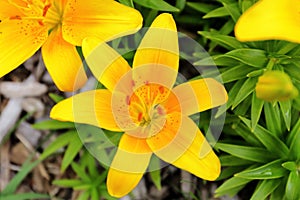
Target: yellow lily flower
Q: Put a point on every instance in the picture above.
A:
(142, 102)
(58, 26)
(270, 19)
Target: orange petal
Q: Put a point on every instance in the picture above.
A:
(19, 40)
(92, 107)
(105, 19)
(63, 62)
(270, 19)
(186, 148)
(105, 63)
(128, 166)
(196, 96)
(159, 46)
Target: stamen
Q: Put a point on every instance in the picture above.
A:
(140, 116)
(45, 10)
(127, 100)
(161, 89)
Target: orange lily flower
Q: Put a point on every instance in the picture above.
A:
(270, 19)
(142, 102)
(58, 26)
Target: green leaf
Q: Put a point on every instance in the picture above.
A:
(157, 5)
(218, 12)
(56, 98)
(290, 165)
(80, 171)
(234, 73)
(229, 160)
(127, 3)
(273, 121)
(247, 88)
(12, 186)
(231, 187)
(68, 183)
(74, 147)
(271, 170)
(247, 56)
(233, 10)
(84, 195)
(295, 147)
(60, 141)
(256, 108)
(228, 172)
(201, 7)
(285, 107)
(265, 188)
(243, 131)
(154, 168)
(248, 153)
(24, 196)
(293, 133)
(52, 124)
(279, 192)
(226, 41)
(292, 191)
(272, 143)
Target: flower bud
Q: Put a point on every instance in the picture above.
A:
(275, 86)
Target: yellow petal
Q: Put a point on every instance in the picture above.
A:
(159, 47)
(8, 10)
(105, 63)
(19, 40)
(105, 19)
(186, 149)
(196, 96)
(92, 107)
(63, 62)
(270, 19)
(128, 166)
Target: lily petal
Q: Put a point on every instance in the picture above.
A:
(8, 10)
(105, 63)
(197, 96)
(105, 19)
(92, 107)
(30, 36)
(128, 166)
(186, 149)
(270, 19)
(63, 62)
(159, 47)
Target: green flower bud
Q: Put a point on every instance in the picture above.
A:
(275, 86)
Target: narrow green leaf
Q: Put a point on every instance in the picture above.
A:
(295, 147)
(218, 12)
(232, 186)
(292, 191)
(157, 5)
(271, 170)
(228, 172)
(24, 196)
(243, 131)
(272, 116)
(68, 183)
(272, 143)
(56, 98)
(293, 133)
(127, 3)
(247, 56)
(290, 165)
(247, 88)
(256, 108)
(52, 124)
(84, 195)
(265, 188)
(229, 160)
(154, 168)
(75, 145)
(201, 7)
(60, 141)
(279, 192)
(80, 171)
(12, 186)
(226, 41)
(235, 73)
(285, 107)
(248, 153)
(233, 10)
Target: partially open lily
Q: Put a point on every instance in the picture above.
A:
(270, 19)
(141, 102)
(58, 26)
